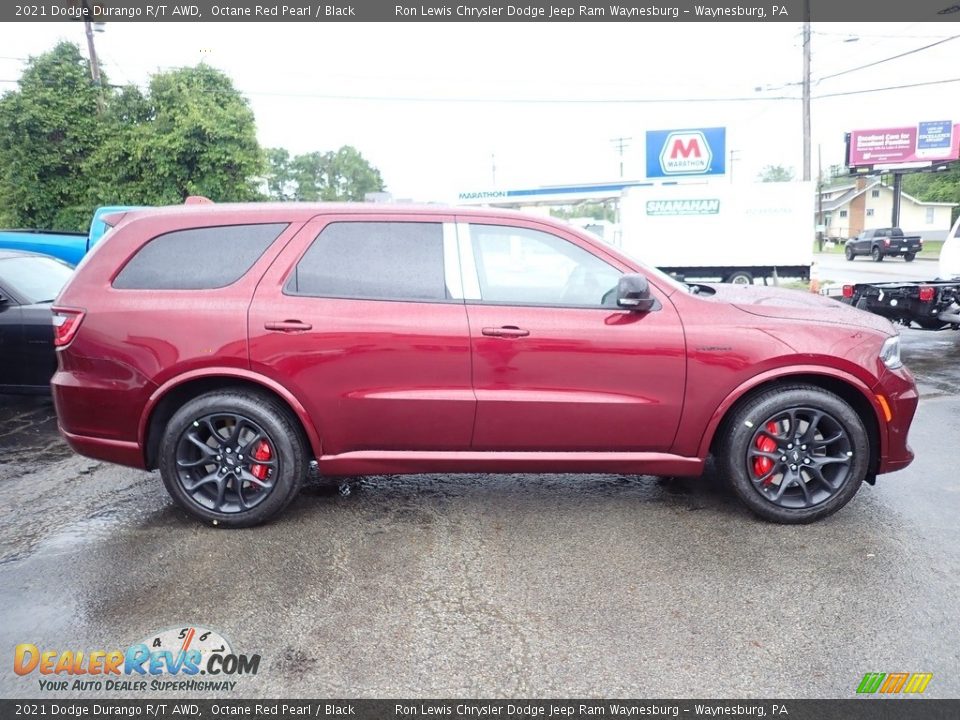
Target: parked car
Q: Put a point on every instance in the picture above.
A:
(67, 246)
(29, 282)
(879, 243)
(232, 346)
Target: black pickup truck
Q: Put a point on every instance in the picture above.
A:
(879, 243)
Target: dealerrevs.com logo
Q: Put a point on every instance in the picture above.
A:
(188, 658)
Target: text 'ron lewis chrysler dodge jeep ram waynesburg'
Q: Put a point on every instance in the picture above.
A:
(230, 346)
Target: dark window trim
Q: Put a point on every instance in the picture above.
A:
(365, 298)
(609, 308)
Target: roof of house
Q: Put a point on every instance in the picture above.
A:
(850, 192)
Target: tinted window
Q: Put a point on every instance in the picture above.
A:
(34, 279)
(529, 267)
(197, 259)
(374, 261)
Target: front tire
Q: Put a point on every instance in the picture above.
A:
(232, 458)
(849, 253)
(795, 454)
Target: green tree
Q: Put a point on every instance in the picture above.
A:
(595, 210)
(192, 134)
(776, 173)
(279, 176)
(329, 176)
(48, 129)
(941, 186)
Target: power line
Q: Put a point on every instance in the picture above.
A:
(884, 60)
(891, 87)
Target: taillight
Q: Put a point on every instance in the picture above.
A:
(886, 241)
(927, 293)
(66, 322)
(848, 291)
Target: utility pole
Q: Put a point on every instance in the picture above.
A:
(94, 62)
(806, 90)
(820, 222)
(621, 143)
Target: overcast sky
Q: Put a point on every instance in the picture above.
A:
(429, 104)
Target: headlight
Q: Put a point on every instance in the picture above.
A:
(890, 352)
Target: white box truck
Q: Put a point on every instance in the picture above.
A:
(731, 233)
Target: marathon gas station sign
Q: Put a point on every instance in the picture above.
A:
(926, 142)
(689, 152)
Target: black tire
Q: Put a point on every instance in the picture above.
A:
(814, 481)
(877, 254)
(908, 257)
(849, 253)
(932, 324)
(740, 277)
(203, 467)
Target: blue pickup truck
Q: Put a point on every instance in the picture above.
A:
(69, 247)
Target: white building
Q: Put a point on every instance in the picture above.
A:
(868, 203)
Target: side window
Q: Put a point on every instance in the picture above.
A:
(197, 259)
(529, 267)
(373, 261)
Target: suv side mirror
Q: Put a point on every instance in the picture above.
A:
(633, 293)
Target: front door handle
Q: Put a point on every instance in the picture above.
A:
(510, 331)
(287, 325)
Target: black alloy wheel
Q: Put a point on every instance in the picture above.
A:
(799, 457)
(795, 453)
(226, 463)
(234, 457)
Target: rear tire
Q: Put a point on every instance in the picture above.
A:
(740, 277)
(877, 254)
(908, 257)
(232, 458)
(849, 253)
(795, 454)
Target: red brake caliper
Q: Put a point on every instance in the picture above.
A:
(261, 453)
(762, 465)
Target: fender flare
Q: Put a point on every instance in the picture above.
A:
(229, 372)
(786, 373)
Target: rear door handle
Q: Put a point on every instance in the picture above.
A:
(287, 325)
(509, 331)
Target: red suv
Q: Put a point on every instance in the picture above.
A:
(233, 346)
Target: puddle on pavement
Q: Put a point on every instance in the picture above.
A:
(79, 532)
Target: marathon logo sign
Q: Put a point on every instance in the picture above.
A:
(694, 151)
(659, 208)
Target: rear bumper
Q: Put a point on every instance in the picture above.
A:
(115, 451)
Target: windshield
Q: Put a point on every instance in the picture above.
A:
(666, 282)
(34, 279)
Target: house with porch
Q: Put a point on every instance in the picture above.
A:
(868, 203)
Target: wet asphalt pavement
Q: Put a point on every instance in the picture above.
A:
(496, 585)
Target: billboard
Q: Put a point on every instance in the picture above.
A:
(692, 151)
(926, 142)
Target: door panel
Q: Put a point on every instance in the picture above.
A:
(557, 366)
(374, 374)
(12, 360)
(582, 379)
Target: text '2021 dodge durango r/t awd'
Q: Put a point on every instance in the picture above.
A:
(230, 346)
